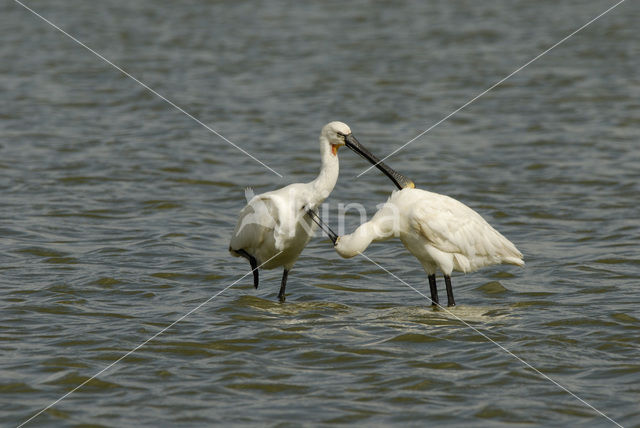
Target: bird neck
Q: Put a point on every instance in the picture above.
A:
(326, 180)
(383, 226)
(355, 243)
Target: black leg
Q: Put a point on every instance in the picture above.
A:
(447, 281)
(283, 285)
(254, 265)
(434, 289)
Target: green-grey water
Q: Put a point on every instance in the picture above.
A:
(116, 211)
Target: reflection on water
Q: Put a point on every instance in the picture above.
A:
(117, 210)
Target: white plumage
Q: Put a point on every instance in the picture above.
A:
(273, 228)
(441, 232)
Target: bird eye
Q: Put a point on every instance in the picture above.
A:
(340, 134)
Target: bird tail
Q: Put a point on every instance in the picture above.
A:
(248, 194)
(514, 261)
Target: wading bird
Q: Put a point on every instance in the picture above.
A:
(441, 232)
(273, 228)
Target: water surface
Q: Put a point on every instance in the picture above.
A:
(117, 210)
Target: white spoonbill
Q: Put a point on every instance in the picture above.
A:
(441, 232)
(273, 227)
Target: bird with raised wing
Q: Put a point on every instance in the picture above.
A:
(274, 227)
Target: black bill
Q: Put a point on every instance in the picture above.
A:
(325, 228)
(398, 179)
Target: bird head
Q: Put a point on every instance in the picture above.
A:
(334, 133)
(338, 134)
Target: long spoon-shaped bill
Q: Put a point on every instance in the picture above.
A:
(325, 227)
(398, 179)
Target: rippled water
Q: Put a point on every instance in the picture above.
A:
(117, 209)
